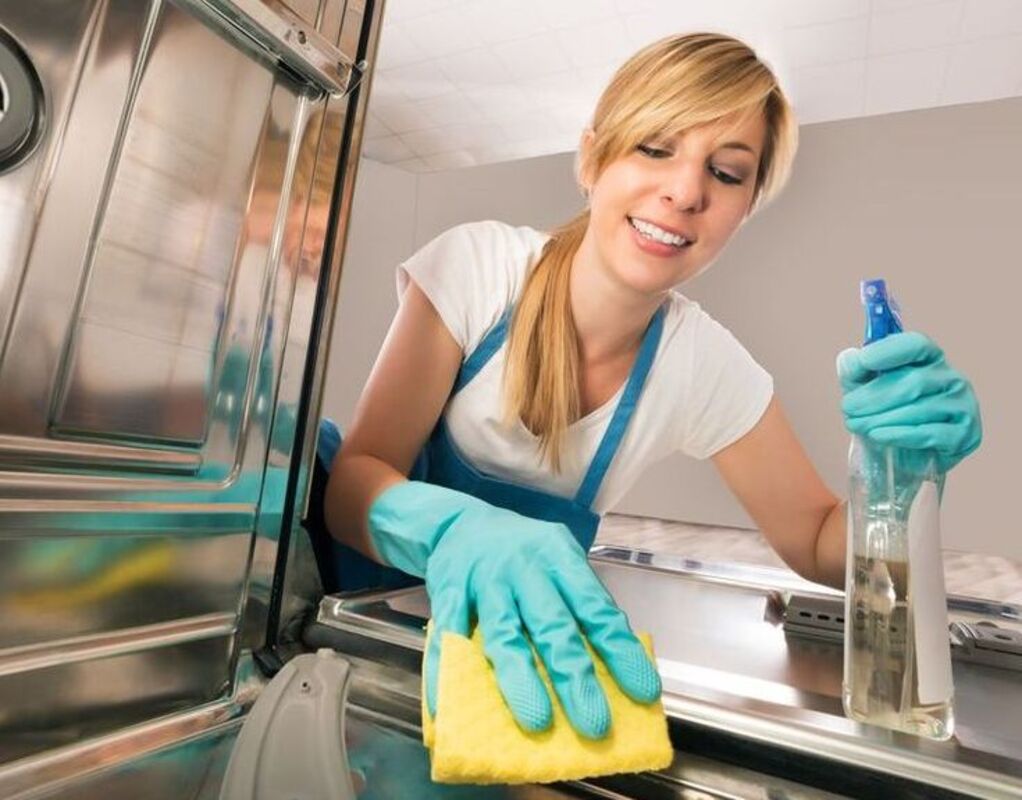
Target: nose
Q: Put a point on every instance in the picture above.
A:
(684, 189)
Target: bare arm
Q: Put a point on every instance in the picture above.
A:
(770, 473)
(399, 407)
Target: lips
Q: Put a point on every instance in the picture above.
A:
(686, 235)
(663, 235)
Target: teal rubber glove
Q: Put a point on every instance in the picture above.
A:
(901, 391)
(515, 577)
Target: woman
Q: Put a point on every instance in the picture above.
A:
(528, 379)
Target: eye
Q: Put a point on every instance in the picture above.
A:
(653, 152)
(725, 177)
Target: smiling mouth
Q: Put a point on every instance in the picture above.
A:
(657, 234)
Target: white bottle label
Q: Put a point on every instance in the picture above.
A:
(928, 597)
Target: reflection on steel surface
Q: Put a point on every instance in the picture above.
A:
(288, 37)
(160, 261)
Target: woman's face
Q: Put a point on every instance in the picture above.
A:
(660, 214)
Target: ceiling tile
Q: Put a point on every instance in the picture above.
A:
(427, 142)
(453, 159)
(450, 109)
(501, 102)
(813, 12)
(570, 119)
(914, 28)
(447, 31)
(831, 91)
(596, 43)
(887, 6)
(400, 116)
(649, 26)
(383, 90)
(984, 70)
(824, 43)
(532, 57)
(475, 67)
(572, 13)
(492, 152)
(419, 81)
(397, 49)
(542, 143)
(903, 81)
(507, 79)
(991, 18)
(591, 83)
(507, 151)
(497, 21)
(625, 7)
(465, 137)
(552, 89)
(387, 150)
(533, 125)
(374, 128)
(409, 9)
(411, 165)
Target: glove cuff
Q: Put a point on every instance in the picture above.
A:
(407, 521)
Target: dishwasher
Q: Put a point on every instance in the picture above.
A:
(176, 180)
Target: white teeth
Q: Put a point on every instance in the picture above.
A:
(651, 231)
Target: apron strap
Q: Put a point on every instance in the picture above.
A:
(491, 343)
(623, 413)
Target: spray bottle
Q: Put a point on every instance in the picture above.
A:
(897, 671)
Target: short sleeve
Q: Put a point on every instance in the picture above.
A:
(471, 273)
(727, 393)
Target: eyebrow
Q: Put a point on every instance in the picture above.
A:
(737, 146)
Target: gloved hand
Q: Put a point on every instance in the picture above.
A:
(900, 391)
(513, 575)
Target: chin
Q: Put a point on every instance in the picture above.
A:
(650, 280)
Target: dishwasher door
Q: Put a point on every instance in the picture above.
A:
(175, 179)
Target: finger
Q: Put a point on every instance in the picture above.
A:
(850, 370)
(933, 436)
(510, 655)
(936, 411)
(559, 644)
(899, 387)
(898, 350)
(450, 613)
(606, 627)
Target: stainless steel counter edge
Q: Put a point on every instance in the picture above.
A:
(792, 736)
(342, 613)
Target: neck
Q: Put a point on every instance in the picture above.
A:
(610, 318)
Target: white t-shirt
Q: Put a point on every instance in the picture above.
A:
(704, 391)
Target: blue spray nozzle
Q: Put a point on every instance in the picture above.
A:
(871, 290)
(882, 313)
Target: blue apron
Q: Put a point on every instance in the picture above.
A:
(441, 463)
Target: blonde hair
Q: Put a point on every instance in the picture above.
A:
(670, 86)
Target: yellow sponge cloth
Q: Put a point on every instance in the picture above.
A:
(475, 739)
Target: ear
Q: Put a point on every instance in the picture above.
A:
(585, 167)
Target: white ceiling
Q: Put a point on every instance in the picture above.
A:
(466, 82)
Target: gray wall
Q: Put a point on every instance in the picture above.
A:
(927, 199)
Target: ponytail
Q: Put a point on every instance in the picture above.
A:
(541, 372)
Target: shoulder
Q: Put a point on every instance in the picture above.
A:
(485, 251)
(686, 325)
(492, 238)
(700, 357)
(689, 325)
(719, 389)
(492, 241)
(472, 272)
